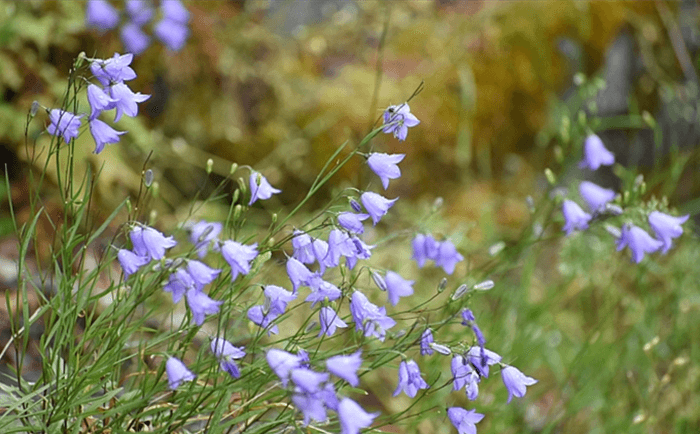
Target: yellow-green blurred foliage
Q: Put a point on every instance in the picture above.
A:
(241, 92)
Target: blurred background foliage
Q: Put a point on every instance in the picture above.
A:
(280, 85)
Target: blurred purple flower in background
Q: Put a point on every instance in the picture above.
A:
(595, 154)
(140, 11)
(638, 241)
(666, 227)
(134, 39)
(101, 15)
(595, 196)
(575, 218)
(281, 363)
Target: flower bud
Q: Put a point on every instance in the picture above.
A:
(484, 286)
(148, 178)
(34, 109)
(460, 291)
(233, 169)
(210, 165)
(440, 349)
(442, 285)
(379, 280)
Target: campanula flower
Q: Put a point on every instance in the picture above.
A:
(262, 317)
(226, 353)
(298, 274)
(352, 417)
(595, 154)
(113, 70)
(329, 321)
(448, 256)
(308, 380)
(281, 363)
(461, 370)
(131, 262)
(179, 283)
(239, 257)
(101, 15)
(177, 372)
(140, 11)
(352, 222)
(200, 304)
(260, 188)
(595, 196)
(465, 421)
(204, 234)
(425, 340)
(397, 120)
(201, 273)
(410, 380)
(420, 253)
(303, 248)
(134, 39)
(339, 244)
(98, 101)
(372, 320)
(321, 289)
(346, 367)
(277, 298)
(515, 381)
(481, 358)
(64, 124)
(639, 242)
(377, 206)
(666, 227)
(397, 286)
(469, 320)
(126, 100)
(150, 242)
(103, 134)
(385, 166)
(313, 405)
(574, 217)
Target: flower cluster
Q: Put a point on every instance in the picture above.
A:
(597, 198)
(171, 29)
(112, 93)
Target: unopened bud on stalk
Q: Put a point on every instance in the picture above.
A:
(484, 286)
(148, 178)
(274, 218)
(237, 212)
(234, 167)
(442, 285)
(440, 349)
(210, 165)
(235, 196)
(34, 109)
(379, 280)
(152, 217)
(155, 188)
(437, 204)
(460, 291)
(129, 207)
(242, 186)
